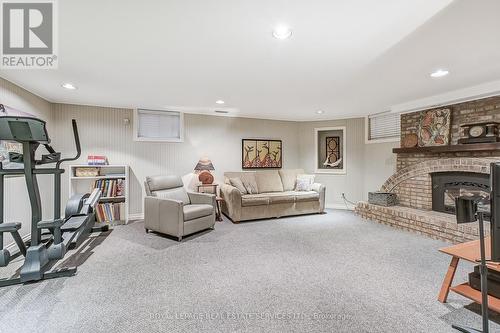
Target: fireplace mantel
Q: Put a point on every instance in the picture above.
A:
(472, 147)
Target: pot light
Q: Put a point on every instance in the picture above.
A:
(68, 86)
(220, 101)
(282, 32)
(320, 112)
(440, 73)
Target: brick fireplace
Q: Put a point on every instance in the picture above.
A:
(449, 171)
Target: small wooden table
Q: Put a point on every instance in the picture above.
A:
(468, 251)
(218, 216)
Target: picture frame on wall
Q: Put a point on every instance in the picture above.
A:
(330, 150)
(261, 154)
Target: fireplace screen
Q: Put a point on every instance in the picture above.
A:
(446, 186)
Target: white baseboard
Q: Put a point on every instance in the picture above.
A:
(339, 206)
(138, 216)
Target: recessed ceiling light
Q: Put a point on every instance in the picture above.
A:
(282, 32)
(68, 86)
(320, 112)
(220, 101)
(440, 73)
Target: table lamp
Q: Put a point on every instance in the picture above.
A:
(203, 169)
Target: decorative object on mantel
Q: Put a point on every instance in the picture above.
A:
(203, 169)
(434, 128)
(480, 133)
(410, 140)
(261, 154)
(382, 198)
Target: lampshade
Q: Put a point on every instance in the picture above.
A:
(204, 164)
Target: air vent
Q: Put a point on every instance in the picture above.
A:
(221, 111)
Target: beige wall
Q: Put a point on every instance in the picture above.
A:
(350, 183)
(103, 131)
(16, 196)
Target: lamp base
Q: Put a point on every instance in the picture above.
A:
(205, 177)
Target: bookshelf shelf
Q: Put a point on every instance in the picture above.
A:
(110, 175)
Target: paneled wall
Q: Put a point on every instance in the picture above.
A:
(16, 196)
(104, 131)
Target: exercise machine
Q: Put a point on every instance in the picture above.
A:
(50, 239)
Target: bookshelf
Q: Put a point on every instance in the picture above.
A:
(114, 179)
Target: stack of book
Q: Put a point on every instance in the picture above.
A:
(97, 160)
(108, 212)
(110, 187)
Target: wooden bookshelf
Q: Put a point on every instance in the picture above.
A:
(106, 172)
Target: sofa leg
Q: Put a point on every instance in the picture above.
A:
(212, 227)
(179, 239)
(147, 230)
(236, 222)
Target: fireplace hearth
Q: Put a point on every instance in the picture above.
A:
(446, 186)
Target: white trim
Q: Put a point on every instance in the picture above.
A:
(13, 248)
(136, 216)
(370, 141)
(484, 90)
(342, 171)
(136, 129)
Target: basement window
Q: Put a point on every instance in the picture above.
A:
(383, 127)
(158, 125)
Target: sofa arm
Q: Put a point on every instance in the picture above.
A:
(321, 189)
(164, 215)
(202, 198)
(232, 201)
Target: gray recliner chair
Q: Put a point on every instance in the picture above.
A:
(170, 209)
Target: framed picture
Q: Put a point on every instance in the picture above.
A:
(261, 154)
(330, 150)
(434, 128)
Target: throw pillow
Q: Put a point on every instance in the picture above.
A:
(250, 185)
(236, 182)
(304, 182)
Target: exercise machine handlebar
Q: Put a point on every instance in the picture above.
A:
(77, 144)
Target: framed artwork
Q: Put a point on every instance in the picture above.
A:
(330, 150)
(261, 154)
(434, 128)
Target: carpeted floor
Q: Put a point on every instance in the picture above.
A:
(317, 273)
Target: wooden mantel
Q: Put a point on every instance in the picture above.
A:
(472, 147)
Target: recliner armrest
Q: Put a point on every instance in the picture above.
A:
(202, 198)
(164, 215)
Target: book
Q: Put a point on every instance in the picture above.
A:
(97, 160)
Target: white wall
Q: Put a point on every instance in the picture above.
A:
(351, 183)
(379, 164)
(103, 131)
(17, 206)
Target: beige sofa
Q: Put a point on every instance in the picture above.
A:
(275, 197)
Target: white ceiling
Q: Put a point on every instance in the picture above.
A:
(348, 58)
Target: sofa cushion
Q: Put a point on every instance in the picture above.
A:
(288, 178)
(306, 196)
(254, 200)
(268, 181)
(236, 182)
(192, 212)
(281, 197)
(178, 193)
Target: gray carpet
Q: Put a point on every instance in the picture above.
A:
(317, 273)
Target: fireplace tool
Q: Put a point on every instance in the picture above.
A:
(467, 212)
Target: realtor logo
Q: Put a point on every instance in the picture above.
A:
(29, 34)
